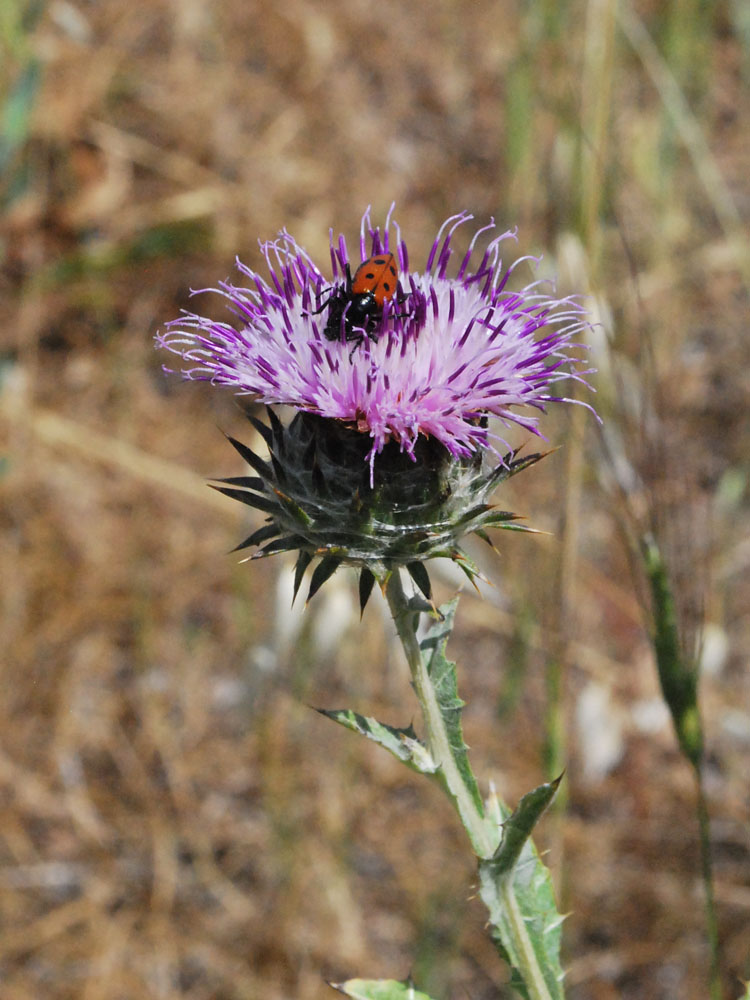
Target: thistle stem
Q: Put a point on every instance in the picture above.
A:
(526, 960)
(483, 831)
(483, 839)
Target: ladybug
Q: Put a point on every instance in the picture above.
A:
(359, 304)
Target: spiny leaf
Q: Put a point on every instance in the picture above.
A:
(469, 573)
(323, 571)
(246, 482)
(421, 606)
(251, 499)
(418, 573)
(532, 897)
(279, 471)
(366, 583)
(518, 826)
(278, 448)
(303, 561)
(402, 743)
(481, 533)
(277, 428)
(468, 567)
(293, 509)
(259, 536)
(473, 514)
(443, 554)
(286, 544)
(379, 989)
(254, 461)
(465, 562)
(264, 431)
(511, 466)
(502, 525)
(497, 517)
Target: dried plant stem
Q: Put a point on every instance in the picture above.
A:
(691, 132)
(483, 832)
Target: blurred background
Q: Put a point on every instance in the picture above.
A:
(175, 821)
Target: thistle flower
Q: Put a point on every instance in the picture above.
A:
(391, 456)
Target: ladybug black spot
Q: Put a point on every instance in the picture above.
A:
(355, 306)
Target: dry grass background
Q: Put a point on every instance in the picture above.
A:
(175, 822)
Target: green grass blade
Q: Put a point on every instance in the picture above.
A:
(678, 677)
(16, 114)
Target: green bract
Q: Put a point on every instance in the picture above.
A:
(323, 499)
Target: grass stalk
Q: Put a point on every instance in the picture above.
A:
(690, 131)
(712, 924)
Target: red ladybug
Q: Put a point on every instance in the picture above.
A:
(359, 304)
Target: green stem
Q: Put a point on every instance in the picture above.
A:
(526, 960)
(712, 926)
(483, 834)
(483, 840)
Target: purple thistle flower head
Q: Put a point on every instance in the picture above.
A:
(437, 356)
(394, 374)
